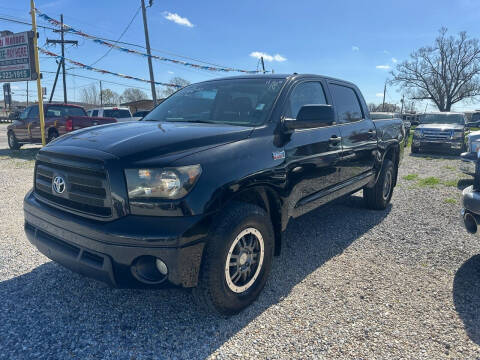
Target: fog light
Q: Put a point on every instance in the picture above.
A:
(161, 266)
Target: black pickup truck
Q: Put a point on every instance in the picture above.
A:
(200, 192)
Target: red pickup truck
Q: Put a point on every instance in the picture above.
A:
(59, 119)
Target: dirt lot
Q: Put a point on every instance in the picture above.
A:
(352, 283)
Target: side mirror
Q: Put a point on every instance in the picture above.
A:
(311, 116)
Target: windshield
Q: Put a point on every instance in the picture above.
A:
(235, 102)
(443, 119)
(476, 117)
(116, 113)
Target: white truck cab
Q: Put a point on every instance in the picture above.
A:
(118, 113)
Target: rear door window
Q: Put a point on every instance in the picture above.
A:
(94, 113)
(73, 111)
(346, 103)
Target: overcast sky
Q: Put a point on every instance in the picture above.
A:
(359, 41)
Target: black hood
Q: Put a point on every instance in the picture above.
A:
(441, 126)
(146, 139)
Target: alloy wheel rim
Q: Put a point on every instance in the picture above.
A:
(244, 260)
(10, 139)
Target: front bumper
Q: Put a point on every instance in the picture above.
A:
(435, 145)
(108, 251)
(471, 200)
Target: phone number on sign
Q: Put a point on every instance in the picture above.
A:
(15, 74)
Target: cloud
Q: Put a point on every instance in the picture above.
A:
(177, 19)
(386, 52)
(170, 72)
(379, 94)
(268, 57)
(394, 60)
(355, 48)
(383, 67)
(15, 87)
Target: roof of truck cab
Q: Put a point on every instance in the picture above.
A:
(279, 76)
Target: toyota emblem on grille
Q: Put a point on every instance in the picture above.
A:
(58, 184)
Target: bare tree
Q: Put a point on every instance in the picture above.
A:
(110, 97)
(445, 73)
(181, 82)
(132, 94)
(381, 108)
(90, 95)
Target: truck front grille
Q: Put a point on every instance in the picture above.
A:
(86, 185)
(437, 134)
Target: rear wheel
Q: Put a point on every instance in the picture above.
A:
(237, 260)
(378, 196)
(13, 144)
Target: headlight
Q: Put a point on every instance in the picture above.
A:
(457, 135)
(167, 183)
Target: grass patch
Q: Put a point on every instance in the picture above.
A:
(450, 201)
(450, 183)
(410, 177)
(429, 181)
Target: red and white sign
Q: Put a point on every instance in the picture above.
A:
(16, 57)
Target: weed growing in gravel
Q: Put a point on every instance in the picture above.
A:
(429, 181)
(450, 201)
(410, 177)
(450, 183)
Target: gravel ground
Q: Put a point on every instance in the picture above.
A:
(399, 283)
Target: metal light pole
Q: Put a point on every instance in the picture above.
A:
(147, 45)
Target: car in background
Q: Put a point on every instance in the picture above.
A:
(471, 202)
(391, 115)
(118, 113)
(440, 131)
(59, 120)
(469, 158)
(474, 120)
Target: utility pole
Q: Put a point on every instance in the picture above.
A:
(101, 95)
(384, 92)
(263, 64)
(403, 101)
(62, 41)
(55, 82)
(27, 93)
(147, 45)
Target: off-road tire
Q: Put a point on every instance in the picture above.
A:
(213, 293)
(13, 143)
(376, 197)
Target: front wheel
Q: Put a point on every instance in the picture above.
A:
(237, 260)
(378, 196)
(13, 144)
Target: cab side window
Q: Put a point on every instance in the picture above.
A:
(307, 93)
(347, 104)
(94, 113)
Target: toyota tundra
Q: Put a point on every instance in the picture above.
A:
(200, 192)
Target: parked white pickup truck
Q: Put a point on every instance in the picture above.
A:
(118, 113)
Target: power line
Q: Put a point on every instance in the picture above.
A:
(121, 35)
(118, 42)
